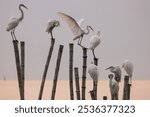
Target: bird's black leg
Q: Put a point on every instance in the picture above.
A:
(14, 35)
(93, 54)
(79, 42)
(52, 35)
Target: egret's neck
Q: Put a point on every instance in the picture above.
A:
(22, 14)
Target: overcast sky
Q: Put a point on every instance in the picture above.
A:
(124, 26)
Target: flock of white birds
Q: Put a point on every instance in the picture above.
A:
(79, 32)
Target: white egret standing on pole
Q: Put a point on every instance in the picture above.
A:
(128, 67)
(117, 71)
(114, 87)
(75, 28)
(51, 25)
(94, 42)
(15, 21)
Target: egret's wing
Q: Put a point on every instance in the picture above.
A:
(94, 42)
(81, 22)
(12, 24)
(73, 25)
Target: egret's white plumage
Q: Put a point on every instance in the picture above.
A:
(51, 25)
(128, 67)
(80, 23)
(114, 87)
(94, 42)
(93, 70)
(117, 71)
(15, 21)
(74, 27)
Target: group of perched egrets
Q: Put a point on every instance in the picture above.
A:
(79, 32)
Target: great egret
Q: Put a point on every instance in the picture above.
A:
(93, 70)
(114, 87)
(51, 25)
(94, 42)
(128, 67)
(15, 21)
(117, 71)
(75, 28)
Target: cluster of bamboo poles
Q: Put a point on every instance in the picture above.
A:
(20, 65)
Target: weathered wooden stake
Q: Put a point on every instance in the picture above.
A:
(16, 51)
(71, 70)
(84, 73)
(104, 97)
(46, 68)
(23, 66)
(77, 83)
(125, 89)
(56, 72)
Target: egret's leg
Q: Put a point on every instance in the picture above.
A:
(93, 54)
(12, 35)
(79, 42)
(51, 35)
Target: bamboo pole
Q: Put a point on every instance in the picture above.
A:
(125, 89)
(16, 51)
(84, 73)
(92, 94)
(77, 83)
(71, 70)
(129, 90)
(23, 66)
(56, 71)
(95, 84)
(46, 68)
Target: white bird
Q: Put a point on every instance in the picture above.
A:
(15, 21)
(51, 25)
(93, 70)
(94, 42)
(75, 28)
(117, 71)
(128, 67)
(114, 87)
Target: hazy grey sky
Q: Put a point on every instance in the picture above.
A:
(124, 26)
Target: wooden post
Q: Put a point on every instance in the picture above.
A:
(92, 93)
(56, 71)
(95, 84)
(104, 97)
(125, 89)
(23, 66)
(71, 70)
(16, 51)
(77, 83)
(129, 90)
(46, 68)
(84, 73)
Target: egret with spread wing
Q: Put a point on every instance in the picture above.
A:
(94, 42)
(51, 25)
(128, 67)
(117, 71)
(15, 21)
(75, 28)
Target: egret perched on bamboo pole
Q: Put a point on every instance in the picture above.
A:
(94, 42)
(93, 70)
(117, 71)
(75, 28)
(114, 87)
(15, 21)
(128, 67)
(51, 25)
